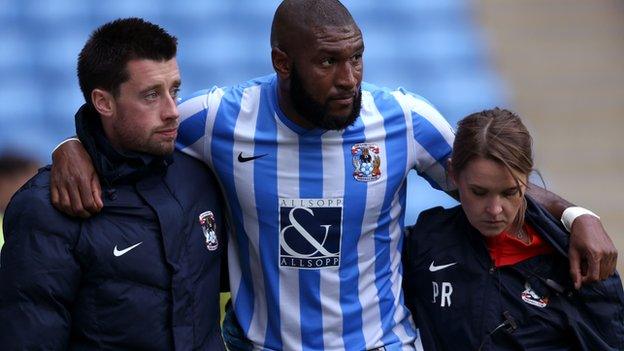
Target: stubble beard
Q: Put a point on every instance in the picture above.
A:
(130, 141)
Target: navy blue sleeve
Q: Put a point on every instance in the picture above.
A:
(408, 270)
(39, 275)
(415, 257)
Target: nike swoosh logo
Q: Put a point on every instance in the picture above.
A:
(434, 268)
(242, 158)
(118, 253)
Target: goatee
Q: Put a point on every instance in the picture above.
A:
(317, 113)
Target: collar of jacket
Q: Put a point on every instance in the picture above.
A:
(551, 229)
(545, 224)
(114, 166)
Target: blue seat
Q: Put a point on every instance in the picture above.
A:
(433, 48)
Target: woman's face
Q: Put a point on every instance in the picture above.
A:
(489, 195)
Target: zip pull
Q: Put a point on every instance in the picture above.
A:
(111, 194)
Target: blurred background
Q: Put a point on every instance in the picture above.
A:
(558, 63)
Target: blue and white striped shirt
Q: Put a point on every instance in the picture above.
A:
(317, 216)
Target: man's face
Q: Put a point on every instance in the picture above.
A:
(326, 77)
(146, 115)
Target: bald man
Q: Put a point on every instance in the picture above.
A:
(314, 163)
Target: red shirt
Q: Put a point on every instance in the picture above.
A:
(506, 250)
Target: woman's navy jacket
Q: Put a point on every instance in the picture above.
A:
(137, 276)
(461, 302)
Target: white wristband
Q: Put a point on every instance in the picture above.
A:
(570, 214)
(63, 142)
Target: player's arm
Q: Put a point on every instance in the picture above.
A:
(592, 254)
(74, 184)
(410, 249)
(39, 275)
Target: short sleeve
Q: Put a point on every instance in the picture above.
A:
(432, 140)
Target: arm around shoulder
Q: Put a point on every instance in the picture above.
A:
(74, 187)
(592, 254)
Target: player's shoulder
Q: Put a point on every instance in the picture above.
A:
(204, 94)
(205, 99)
(378, 93)
(31, 204)
(396, 93)
(383, 96)
(240, 88)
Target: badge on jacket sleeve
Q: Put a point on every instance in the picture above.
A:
(366, 161)
(207, 222)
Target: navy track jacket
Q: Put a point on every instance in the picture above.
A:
(141, 275)
(460, 301)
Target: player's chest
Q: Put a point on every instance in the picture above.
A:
(316, 166)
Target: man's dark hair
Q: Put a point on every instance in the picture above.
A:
(102, 60)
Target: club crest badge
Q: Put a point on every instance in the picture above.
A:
(532, 298)
(366, 162)
(208, 224)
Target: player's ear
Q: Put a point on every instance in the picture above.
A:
(282, 63)
(103, 101)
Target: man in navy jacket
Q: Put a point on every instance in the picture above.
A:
(143, 273)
